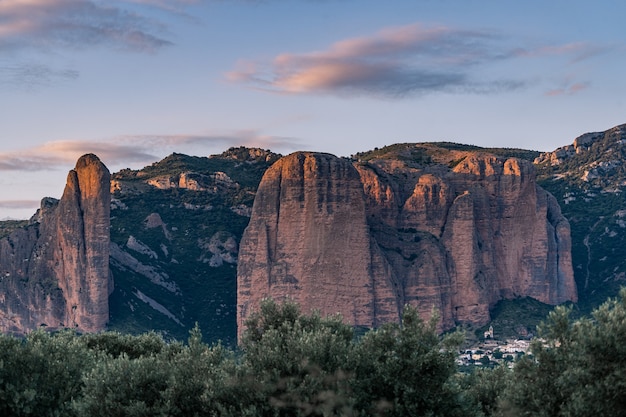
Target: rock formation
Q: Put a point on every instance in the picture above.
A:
(309, 239)
(457, 232)
(55, 272)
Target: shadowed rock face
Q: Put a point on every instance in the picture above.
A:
(363, 240)
(55, 272)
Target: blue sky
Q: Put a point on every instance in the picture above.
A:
(136, 80)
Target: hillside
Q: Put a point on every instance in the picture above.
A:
(588, 178)
(175, 230)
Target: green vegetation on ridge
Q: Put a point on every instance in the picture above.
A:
(426, 152)
(9, 226)
(189, 282)
(588, 183)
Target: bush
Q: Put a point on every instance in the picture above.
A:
(296, 363)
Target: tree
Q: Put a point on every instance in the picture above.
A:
(483, 388)
(116, 344)
(407, 370)
(39, 375)
(159, 379)
(199, 378)
(578, 369)
(296, 363)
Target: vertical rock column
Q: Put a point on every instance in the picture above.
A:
(83, 244)
(308, 240)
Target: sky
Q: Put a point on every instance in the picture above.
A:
(133, 81)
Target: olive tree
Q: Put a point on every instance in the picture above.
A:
(577, 368)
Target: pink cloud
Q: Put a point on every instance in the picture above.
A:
(405, 61)
(394, 62)
(137, 150)
(568, 90)
(43, 24)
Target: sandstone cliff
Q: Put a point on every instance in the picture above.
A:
(309, 239)
(55, 272)
(451, 230)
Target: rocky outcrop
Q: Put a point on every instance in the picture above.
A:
(214, 183)
(365, 239)
(55, 272)
(615, 137)
(308, 239)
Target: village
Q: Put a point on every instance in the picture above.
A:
(491, 351)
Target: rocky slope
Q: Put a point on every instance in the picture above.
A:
(308, 238)
(175, 231)
(55, 271)
(454, 230)
(588, 178)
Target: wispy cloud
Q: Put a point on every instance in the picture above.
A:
(19, 204)
(395, 62)
(137, 151)
(47, 28)
(399, 62)
(31, 76)
(60, 154)
(46, 24)
(568, 89)
(575, 51)
(176, 7)
(166, 4)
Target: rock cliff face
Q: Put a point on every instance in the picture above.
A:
(308, 239)
(55, 272)
(451, 230)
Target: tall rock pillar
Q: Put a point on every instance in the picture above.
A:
(308, 241)
(55, 272)
(83, 242)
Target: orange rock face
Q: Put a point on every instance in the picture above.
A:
(309, 240)
(366, 239)
(55, 272)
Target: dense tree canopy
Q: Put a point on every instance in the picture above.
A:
(293, 364)
(578, 368)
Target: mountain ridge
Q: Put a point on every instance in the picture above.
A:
(588, 178)
(154, 228)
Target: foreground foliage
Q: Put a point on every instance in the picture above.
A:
(578, 369)
(290, 364)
